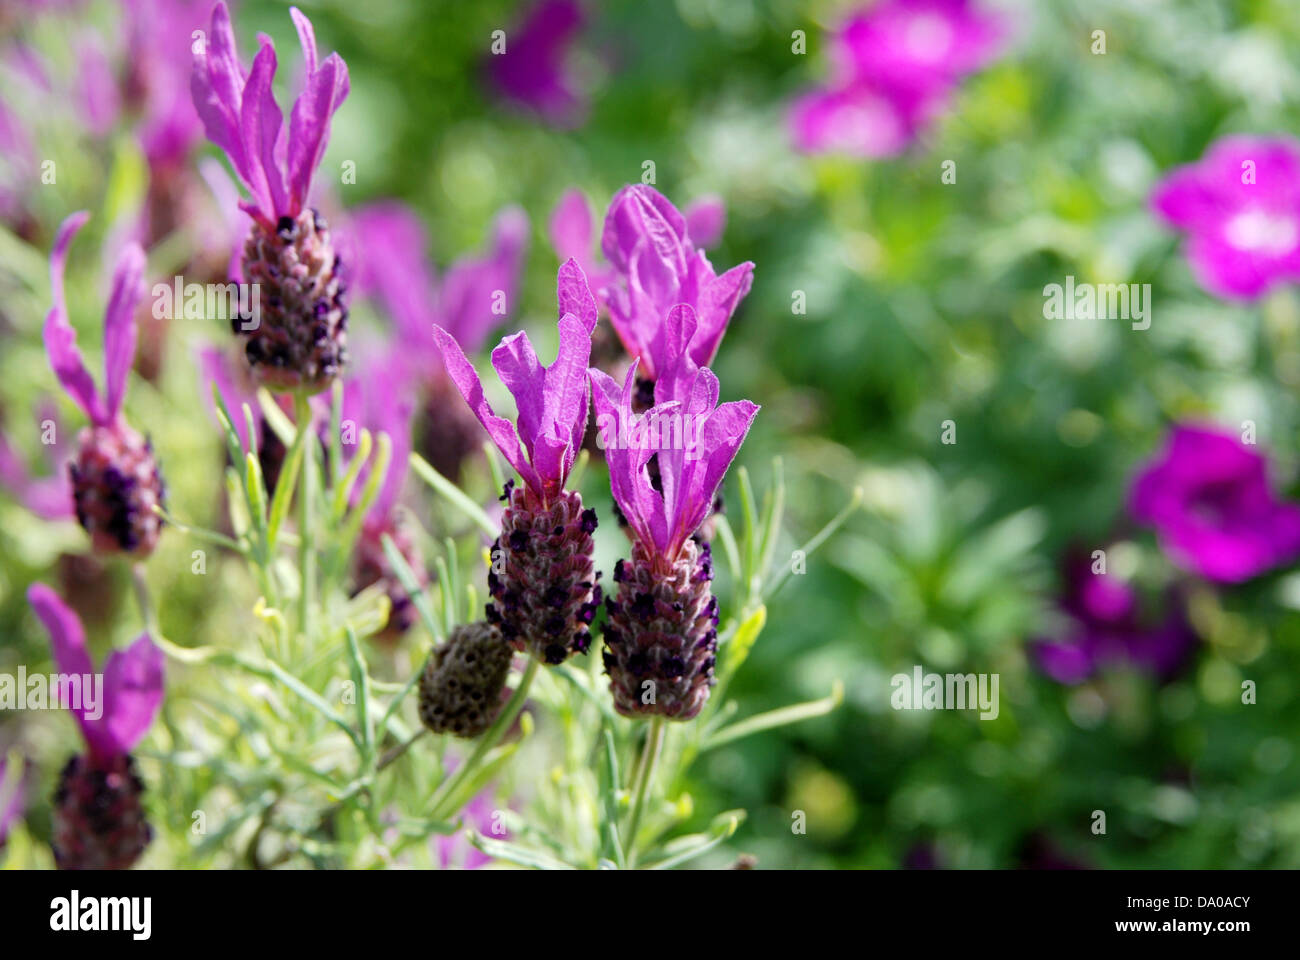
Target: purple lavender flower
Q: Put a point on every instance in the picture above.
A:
(300, 342)
(115, 478)
(661, 635)
(99, 821)
(475, 295)
(1240, 207)
(1208, 497)
(647, 242)
(893, 68)
(1105, 627)
(533, 70)
(542, 583)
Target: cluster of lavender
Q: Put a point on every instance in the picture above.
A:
(669, 309)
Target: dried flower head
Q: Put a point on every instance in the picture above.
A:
(460, 688)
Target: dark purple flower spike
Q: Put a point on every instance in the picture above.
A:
(115, 478)
(661, 635)
(543, 587)
(299, 340)
(99, 821)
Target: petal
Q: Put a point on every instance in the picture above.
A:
(517, 365)
(673, 367)
(119, 325)
(68, 643)
(718, 301)
(469, 291)
(570, 227)
(613, 405)
(640, 213)
(566, 394)
(60, 338)
(574, 294)
(259, 126)
(706, 219)
(306, 37)
(499, 429)
(217, 88)
(309, 124)
(133, 691)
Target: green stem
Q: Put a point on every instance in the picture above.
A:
(306, 546)
(147, 611)
(654, 742)
(485, 743)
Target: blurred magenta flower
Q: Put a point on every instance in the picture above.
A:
(1240, 208)
(658, 266)
(98, 818)
(1106, 628)
(534, 71)
(115, 479)
(1208, 497)
(454, 850)
(160, 38)
(893, 67)
(96, 89)
(476, 294)
(49, 497)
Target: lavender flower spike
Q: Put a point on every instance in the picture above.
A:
(662, 634)
(115, 478)
(299, 341)
(99, 820)
(543, 588)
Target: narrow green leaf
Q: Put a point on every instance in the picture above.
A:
(452, 494)
(360, 680)
(285, 484)
(406, 576)
(728, 539)
(494, 465)
(343, 490)
(313, 698)
(822, 535)
(776, 718)
(514, 853)
(256, 488)
(689, 847)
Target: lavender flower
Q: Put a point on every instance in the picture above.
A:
(1105, 627)
(543, 588)
(300, 342)
(1240, 208)
(1209, 499)
(460, 688)
(533, 70)
(454, 850)
(893, 67)
(99, 821)
(467, 302)
(648, 243)
(661, 635)
(115, 478)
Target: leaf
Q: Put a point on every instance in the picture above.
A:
(743, 641)
(284, 487)
(687, 848)
(776, 718)
(313, 698)
(406, 577)
(728, 538)
(514, 853)
(822, 535)
(360, 680)
(453, 494)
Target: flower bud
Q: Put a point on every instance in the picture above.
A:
(99, 821)
(300, 338)
(115, 486)
(543, 583)
(460, 689)
(662, 633)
